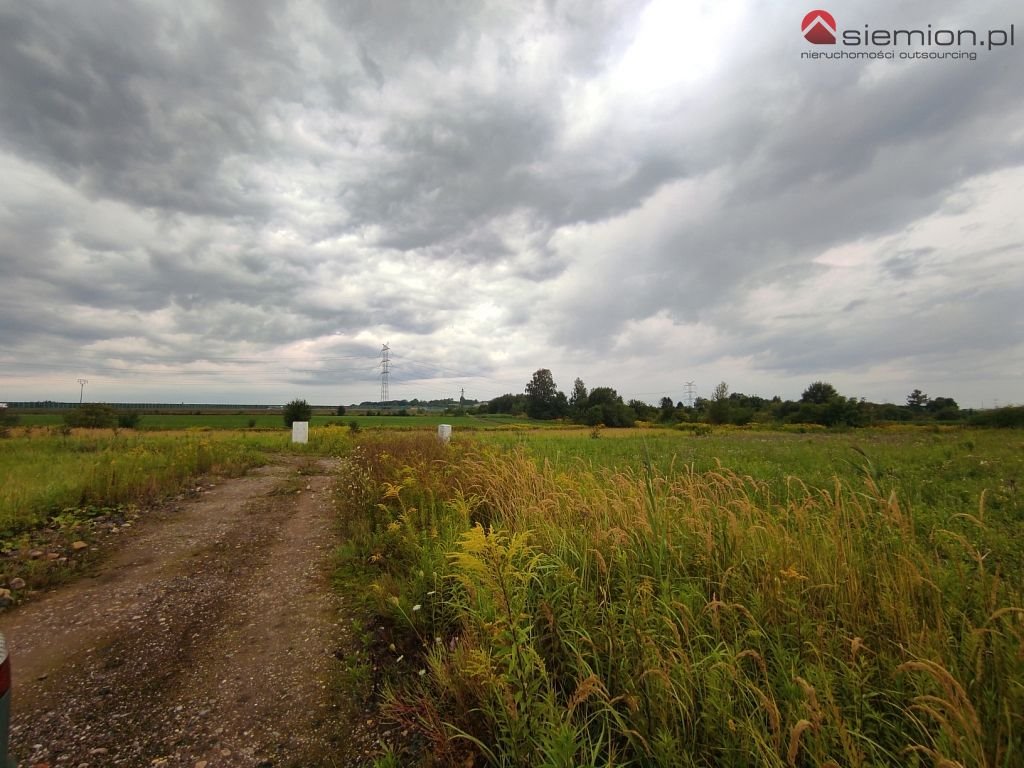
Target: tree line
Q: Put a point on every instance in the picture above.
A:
(820, 403)
(543, 400)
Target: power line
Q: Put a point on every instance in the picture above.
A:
(454, 373)
(238, 366)
(277, 368)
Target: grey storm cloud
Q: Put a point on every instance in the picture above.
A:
(481, 182)
(131, 104)
(926, 335)
(816, 162)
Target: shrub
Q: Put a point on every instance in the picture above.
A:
(1006, 417)
(7, 420)
(297, 410)
(802, 428)
(92, 416)
(128, 419)
(695, 428)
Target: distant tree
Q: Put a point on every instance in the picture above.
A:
(507, 403)
(543, 400)
(666, 410)
(604, 406)
(578, 398)
(718, 410)
(91, 416)
(745, 408)
(128, 419)
(843, 412)
(886, 412)
(917, 400)
(341, 410)
(819, 393)
(1009, 416)
(943, 409)
(561, 405)
(297, 410)
(644, 411)
(838, 411)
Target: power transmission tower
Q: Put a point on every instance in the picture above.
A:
(462, 396)
(385, 369)
(81, 391)
(689, 394)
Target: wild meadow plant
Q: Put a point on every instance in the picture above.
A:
(585, 616)
(45, 471)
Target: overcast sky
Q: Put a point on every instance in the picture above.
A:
(242, 201)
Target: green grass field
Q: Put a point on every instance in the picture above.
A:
(946, 467)
(273, 420)
(942, 474)
(645, 597)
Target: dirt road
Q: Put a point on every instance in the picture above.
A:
(207, 639)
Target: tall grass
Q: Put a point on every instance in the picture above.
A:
(575, 615)
(43, 471)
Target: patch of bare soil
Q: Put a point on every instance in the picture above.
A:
(210, 638)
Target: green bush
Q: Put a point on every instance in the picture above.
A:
(92, 416)
(297, 410)
(1006, 418)
(695, 428)
(7, 420)
(128, 419)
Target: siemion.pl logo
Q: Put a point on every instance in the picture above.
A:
(925, 41)
(819, 27)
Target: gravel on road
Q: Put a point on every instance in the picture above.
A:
(209, 638)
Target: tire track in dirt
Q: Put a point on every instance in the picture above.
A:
(207, 639)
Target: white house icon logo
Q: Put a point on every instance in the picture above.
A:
(819, 28)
